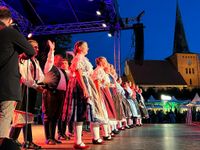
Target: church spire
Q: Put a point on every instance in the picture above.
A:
(180, 42)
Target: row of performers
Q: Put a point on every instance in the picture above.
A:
(79, 93)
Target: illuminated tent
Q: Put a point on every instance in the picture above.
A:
(183, 108)
(196, 99)
(195, 102)
(154, 107)
(151, 99)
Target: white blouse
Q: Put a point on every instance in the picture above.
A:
(82, 63)
(120, 88)
(99, 74)
(129, 91)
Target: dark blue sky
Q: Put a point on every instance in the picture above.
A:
(159, 22)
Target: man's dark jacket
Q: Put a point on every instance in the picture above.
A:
(12, 43)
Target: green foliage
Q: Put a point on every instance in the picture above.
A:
(63, 43)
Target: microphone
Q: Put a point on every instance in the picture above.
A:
(15, 26)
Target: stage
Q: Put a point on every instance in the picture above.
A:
(147, 137)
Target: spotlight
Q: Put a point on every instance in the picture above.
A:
(109, 35)
(104, 25)
(30, 35)
(111, 32)
(98, 13)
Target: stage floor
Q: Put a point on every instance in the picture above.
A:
(148, 137)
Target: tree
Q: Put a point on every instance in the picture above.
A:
(63, 44)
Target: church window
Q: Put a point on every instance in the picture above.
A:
(190, 81)
(189, 70)
(186, 70)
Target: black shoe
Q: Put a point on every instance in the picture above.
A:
(98, 141)
(127, 127)
(57, 141)
(115, 131)
(132, 126)
(107, 138)
(31, 145)
(138, 125)
(50, 142)
(69, 134)
(63, 137)
(18, 143)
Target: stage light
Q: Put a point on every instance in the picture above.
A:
(109, 35)
(104, 25)
(30, 35)
(166, 97)
(111, 32)
(98, 13)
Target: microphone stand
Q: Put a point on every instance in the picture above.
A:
(27, 102)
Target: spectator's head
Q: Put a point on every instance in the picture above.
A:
(5, 16)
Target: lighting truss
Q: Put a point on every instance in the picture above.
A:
(110, 6)
(70, 28)
(24, 24)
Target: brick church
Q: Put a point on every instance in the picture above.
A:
(180, 70)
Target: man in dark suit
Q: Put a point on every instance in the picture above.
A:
(53, 97)
(12, 43)
(31, 74)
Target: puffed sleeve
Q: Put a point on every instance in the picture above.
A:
(76, 64)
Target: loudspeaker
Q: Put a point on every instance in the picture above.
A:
(139, 43)
(8, 144)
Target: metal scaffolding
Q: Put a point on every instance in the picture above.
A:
(23, 23)
(26, 26)
(70, 28)
(114, 23)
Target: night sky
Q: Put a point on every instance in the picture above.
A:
(159, 22)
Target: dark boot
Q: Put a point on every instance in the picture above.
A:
(47, 129)
(29, 136)
(60, 127)
(14, 133)
(52, 132)
(71, 127)
(64, 125)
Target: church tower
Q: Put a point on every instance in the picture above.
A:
(180, 42)
(187, 63)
